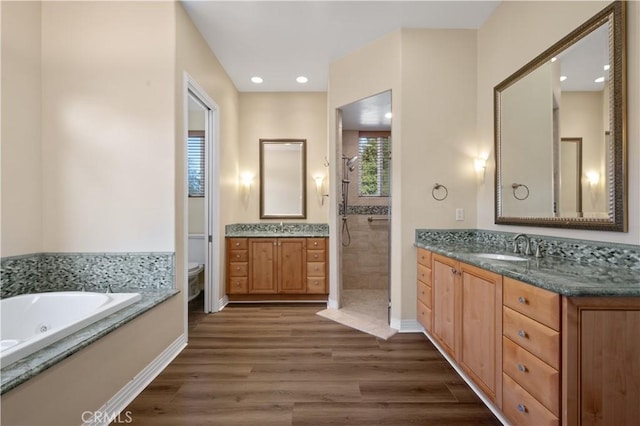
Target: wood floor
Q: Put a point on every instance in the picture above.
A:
(284, 365)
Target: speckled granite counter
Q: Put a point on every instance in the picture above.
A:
(569, 267)
(23, 370)
(257, 230)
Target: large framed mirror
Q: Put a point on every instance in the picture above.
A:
(283, 189)
(575, 90)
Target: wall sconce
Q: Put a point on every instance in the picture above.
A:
(246, 179)
(593, 178)
(319, 179)
(480, 165)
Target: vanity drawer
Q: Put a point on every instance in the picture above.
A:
(424, 294)
(315, 269)
(538, 339)
(424, 315)
(238, 285)
(536, 303)
(522, 408)
(424, 274)
(532, 374)
(238, 244)
(424, 257)
(316, 243)
(238, 269)
(316, 285)
(315, 255)
(238, 255)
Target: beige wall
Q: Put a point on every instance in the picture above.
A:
(513, 35)
(301, 115)
(107, 126)
(194, 57)
(21, 129)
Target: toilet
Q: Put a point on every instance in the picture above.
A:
(196, 279)
(197, 254)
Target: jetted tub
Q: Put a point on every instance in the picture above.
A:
(30, 322)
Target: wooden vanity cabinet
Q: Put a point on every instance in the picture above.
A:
(424, 302)
(276, 266)
(542, 358)
(467, 320)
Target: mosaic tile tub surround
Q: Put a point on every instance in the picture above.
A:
(584, 251)
(124, 272)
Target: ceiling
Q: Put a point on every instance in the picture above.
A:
(280, 41)
(368, 114)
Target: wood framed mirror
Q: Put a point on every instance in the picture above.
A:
(283, 170)
(575, 89)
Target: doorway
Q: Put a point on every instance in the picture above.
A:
(364, 171)
(201, 215)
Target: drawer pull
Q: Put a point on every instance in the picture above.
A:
(522, 408)
(315, 243)
(237, 268)
(522, 368)
(522, 334)
(237, 256)
(237, 244)
(522, 300)
(316, 268)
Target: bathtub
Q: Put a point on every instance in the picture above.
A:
(30, 322)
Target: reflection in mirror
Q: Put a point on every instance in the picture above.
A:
(283, 186)
(559, 123)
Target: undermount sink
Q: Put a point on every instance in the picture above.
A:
(496, 256)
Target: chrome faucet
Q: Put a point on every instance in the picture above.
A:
(527, 247)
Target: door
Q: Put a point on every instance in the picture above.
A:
(293, 263)
(263, 265)
(445, 291)
(481, 328)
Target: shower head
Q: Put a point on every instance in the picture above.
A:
(351, 162)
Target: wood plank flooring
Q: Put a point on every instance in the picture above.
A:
(284, 365)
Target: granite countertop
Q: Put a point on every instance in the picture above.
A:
(560, 275)
(23, 370)
(277, 230)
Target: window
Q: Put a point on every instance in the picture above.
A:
(374, 151)
(195, 153)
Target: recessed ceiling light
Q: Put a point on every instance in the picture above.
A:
(599, 80)
(257, 80)
(302, 79)
(606, 67)
(554, 59)
(563, 77)
(388, 115)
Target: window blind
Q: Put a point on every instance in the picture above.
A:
(374, 175)
(195, 154)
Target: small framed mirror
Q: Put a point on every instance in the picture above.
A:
(560, 139)
(283, 189)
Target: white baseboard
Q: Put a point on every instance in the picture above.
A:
(223, 302)
(410, 326)
(332, 303)
(114, 407)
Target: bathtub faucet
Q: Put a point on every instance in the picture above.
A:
(109, 289)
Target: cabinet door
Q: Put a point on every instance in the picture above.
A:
(292, 265)
(263, 264)
(481, 329)
(445, 298)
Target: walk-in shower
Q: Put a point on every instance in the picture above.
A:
(349, 165)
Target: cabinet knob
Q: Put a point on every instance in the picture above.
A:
(237, 256)
(522, 300)
(237, 268)
(454, 271)
(315, 243)
(522, 408)
(522, 334)
(316, 268)
(237, 244)
(522, 368)
(315, 256)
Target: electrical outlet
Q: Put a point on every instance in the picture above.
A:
(459, 214)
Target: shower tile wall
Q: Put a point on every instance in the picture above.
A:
(365, 260)
(365, 263)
